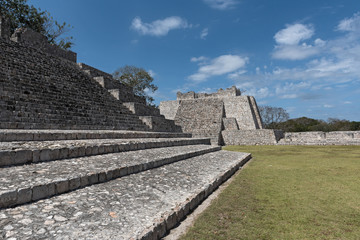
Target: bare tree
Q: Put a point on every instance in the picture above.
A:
(273, 114)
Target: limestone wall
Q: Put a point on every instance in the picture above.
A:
(33, 39)
(4, 29)
(251, 137)
(169, 109)
(241, 108)
(119, 90)
(207, 114)
(202, 117)
(221, 93)
(322, 138)
(39, 90)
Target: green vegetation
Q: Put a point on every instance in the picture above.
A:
(139, 79)
(288, 192)
(20, 14)
(304, 124)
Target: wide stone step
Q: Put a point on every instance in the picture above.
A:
(139, 206)
(28, 183)
(25, 152)
(8, 135)
(71, 125)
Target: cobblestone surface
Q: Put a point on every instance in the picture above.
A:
(46, 179)
(139, 205)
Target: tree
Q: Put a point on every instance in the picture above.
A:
(271, 115)
(139, 79)
(21, 14)
(304, 124)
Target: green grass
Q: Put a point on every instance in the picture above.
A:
(288, 192)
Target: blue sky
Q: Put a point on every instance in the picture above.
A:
(303, 56)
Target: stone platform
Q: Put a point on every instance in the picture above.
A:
(138, 185)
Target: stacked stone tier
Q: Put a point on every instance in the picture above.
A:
(42, 91)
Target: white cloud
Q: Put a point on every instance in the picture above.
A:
(262, 92)
(221, 4)
(225, 64)
(330, 80)
(291, 87)
(159, 27)
(235, 75)
(290, 45)
(350, 24)
(293, 34)
(152, 73)
(201, 60)
(294, 52)
(204, 33)
(289, 96)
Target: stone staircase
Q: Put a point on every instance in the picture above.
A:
(87, 184)
(40, 91)
(149, 115)
(81, 157)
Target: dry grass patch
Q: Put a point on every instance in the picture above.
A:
(288, 192)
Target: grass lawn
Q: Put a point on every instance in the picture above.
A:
(288, 192)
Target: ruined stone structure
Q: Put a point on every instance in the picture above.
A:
(321, 138)
(30, 38)
(225, 116)
(4, 29)
(82, 157)
(231, 119)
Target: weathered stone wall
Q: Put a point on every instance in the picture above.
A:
(256, 113)
(207, 114)
(141, 109)
(169, 109)
(40, 91)
(252, 137)
(160, 124)
(322, 138)
(201, 117)
(229, 92)
(33, 39)
(119, 90)
(230, 124)
(4, 29)
(241, 108)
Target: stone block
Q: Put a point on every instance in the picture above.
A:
(23, 196)
(74, 183)
(62, 186)
(43, 191)
(8, 199)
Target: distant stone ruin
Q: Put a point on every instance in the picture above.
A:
(226, 117)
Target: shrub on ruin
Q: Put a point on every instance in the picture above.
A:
(20, 14)
(140, 80)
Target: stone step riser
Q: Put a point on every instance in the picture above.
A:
(38, 135)
(71, 126)
(34, 193)
(174, 218)
(18, 157)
